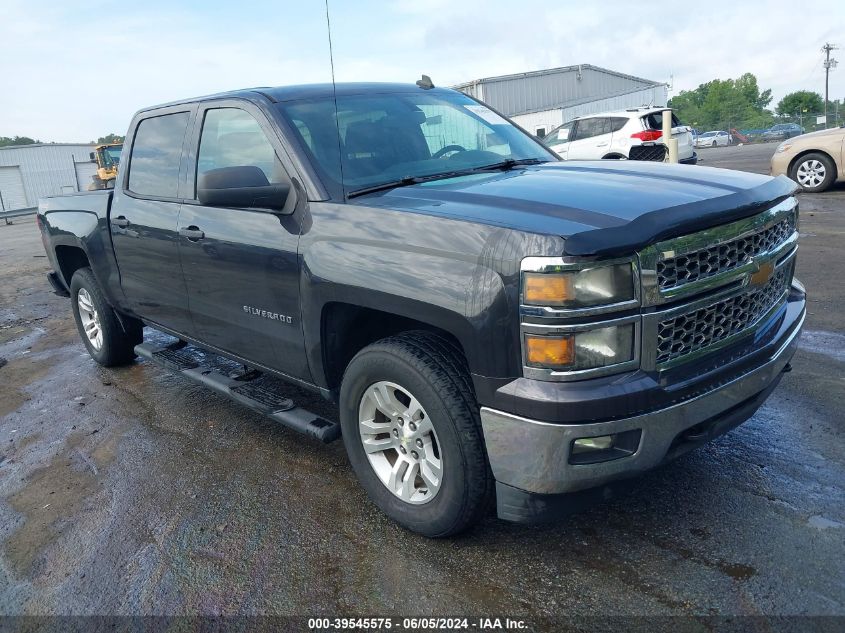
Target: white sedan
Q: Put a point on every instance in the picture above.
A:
(714, 138)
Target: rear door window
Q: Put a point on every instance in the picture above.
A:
(588, 128)
(156, 155)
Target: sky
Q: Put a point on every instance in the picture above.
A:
(76, 70)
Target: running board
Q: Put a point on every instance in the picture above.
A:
(260, 392)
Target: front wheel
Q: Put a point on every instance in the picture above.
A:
(814, 172)
(109, 342)
(412, 432)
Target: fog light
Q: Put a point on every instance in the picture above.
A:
(587, 444)
(604, 448)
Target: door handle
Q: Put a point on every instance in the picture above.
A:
(120, 222)
(192, 232)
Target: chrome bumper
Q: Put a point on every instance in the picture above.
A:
(534, 456)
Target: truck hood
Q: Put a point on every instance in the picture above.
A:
(602, 208)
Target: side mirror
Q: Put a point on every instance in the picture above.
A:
(243, 187)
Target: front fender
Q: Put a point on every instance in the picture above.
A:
(461, 277)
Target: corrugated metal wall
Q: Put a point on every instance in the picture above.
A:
(548, 119)
(559, 87)
(46, 170)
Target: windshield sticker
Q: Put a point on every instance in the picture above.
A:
(487, 114)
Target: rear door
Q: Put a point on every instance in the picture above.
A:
(144, 217)
(241, 265)
(592, 139)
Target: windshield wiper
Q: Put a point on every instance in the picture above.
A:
(505, 165)
(392, 184)
(509, 163)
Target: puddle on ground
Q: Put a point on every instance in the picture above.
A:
(53, 495)
(830, 344)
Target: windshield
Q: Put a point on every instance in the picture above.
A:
(388, 137)
(114, 153)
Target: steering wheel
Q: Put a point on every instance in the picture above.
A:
(449, 148)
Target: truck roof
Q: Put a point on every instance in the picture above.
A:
(303, 91)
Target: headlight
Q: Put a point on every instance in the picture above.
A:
(783, 147)
(589, 349)
(584, 288)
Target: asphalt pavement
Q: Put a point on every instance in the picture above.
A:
(131, 491)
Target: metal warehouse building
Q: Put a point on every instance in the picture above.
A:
(543, 99)
(28, 172)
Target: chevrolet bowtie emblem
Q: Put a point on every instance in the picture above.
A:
(763, 274)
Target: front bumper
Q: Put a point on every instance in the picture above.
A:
(532, 459)
(780, 164)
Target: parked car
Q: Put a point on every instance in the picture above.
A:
(489, 324)
(782, 131)
(714, 138)
(815, 160)
(627, 134)
(755, 135)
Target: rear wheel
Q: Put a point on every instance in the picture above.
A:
(412, 432)
(109, 341)
(814, 172)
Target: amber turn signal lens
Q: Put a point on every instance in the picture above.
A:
(547, 290)
(550, 351)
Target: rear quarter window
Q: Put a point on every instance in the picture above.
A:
(617, 123)
(156, 155)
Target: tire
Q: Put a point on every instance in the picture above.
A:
(430, 369)
(713, 144)
(109, 341)
(815, 172)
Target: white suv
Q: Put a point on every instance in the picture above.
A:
(629, 134)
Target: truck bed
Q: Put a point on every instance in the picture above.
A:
(97, 202)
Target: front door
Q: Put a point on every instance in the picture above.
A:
(143, 221)
(241, 265)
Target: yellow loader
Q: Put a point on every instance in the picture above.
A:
(107, 159)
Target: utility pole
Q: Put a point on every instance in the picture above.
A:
(828, 64)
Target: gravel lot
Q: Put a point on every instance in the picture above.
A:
(131, 491)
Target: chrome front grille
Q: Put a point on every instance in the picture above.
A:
(709, 289)
(704, 327)
(707, 262)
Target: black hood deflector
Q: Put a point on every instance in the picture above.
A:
(684, 219)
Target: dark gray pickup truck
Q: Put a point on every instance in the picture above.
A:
(493, 323)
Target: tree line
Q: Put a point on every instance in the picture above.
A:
(739, 103)
(8, 141)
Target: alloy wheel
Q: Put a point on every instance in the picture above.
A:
(400, 442)
(90, 319)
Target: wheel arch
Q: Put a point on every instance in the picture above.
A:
(347, 328)
(70, 258)
(794, 162)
